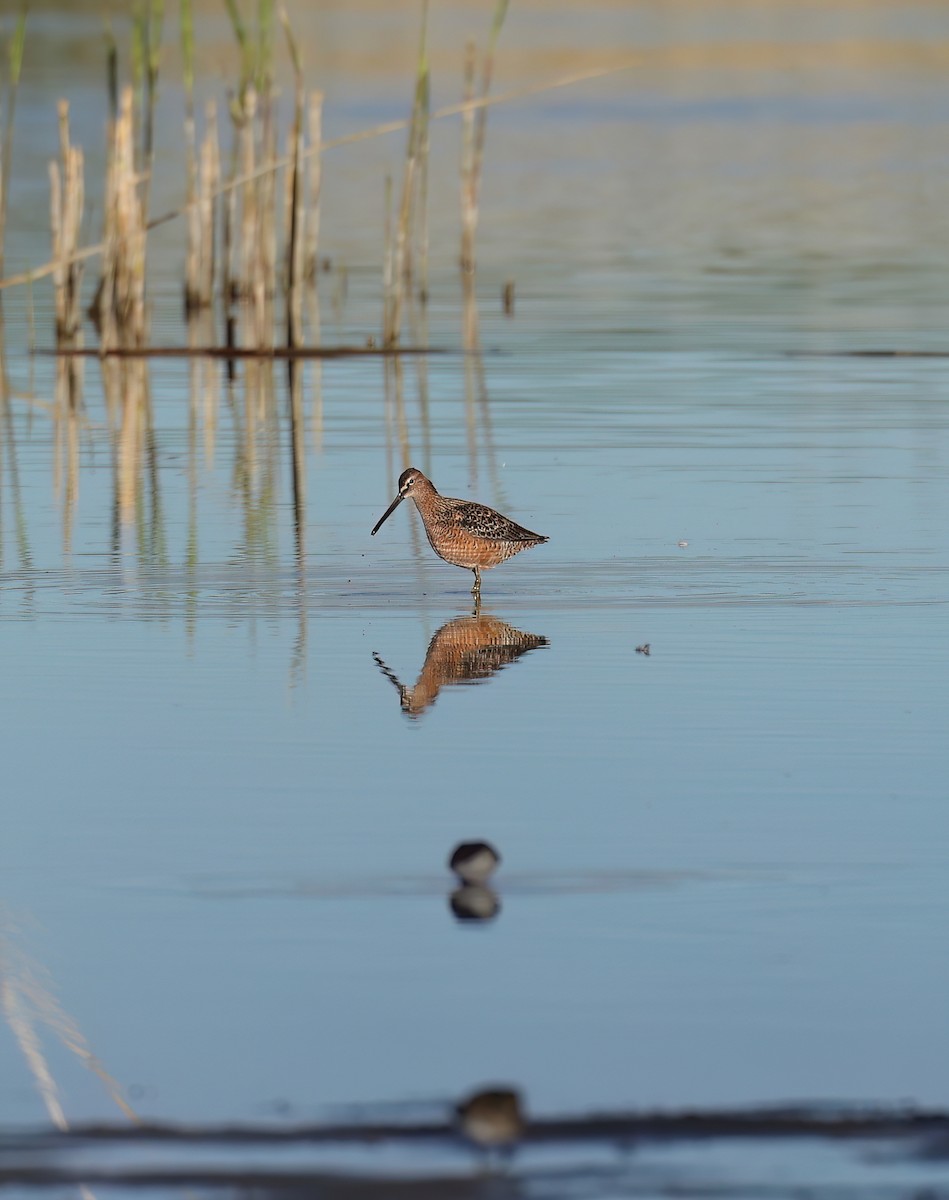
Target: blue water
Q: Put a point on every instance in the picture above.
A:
(723, 873)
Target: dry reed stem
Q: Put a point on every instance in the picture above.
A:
(468, 200)
(195, 235)
(122, 300)
(421, 231)
(152, 19)
(418, 312)
(66, 206)
(312, 239)
(402, 259)
(311, 257)
(387, 264)
(205, 181)
(201, 282)
(193, 247)
(254, 279)
(248, 194)
(399, 254)
(295, 221)
(102, 309)
(228, 230)
(265, 261)
(474, 135)
(3, 198)
(450, 110)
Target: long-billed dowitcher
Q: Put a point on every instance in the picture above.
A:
(461, 532)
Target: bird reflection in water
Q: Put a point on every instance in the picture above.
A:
(474, 902)
(473, 863)
(465, 650)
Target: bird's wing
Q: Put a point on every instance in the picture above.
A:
(485, 522)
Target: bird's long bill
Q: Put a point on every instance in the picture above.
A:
(387, 514)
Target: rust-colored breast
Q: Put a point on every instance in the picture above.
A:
(472, 535)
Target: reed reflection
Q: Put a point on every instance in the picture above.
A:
(256, 467)
(397, 430)
(67, 412)
(9, 470)
(34, 1015)
(465, 650)
(478, 423)
(298, 479)
(136, 495)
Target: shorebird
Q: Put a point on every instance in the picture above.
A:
(493, 1119)
(461, 532)
(473, 862)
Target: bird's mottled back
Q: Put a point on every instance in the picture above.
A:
(485, 522)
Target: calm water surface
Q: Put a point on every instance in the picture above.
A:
(724, 863)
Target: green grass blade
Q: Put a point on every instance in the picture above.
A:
(243, 43)
(292, 46)
(16, 46)
(156, 21)
(111, 70)
(500, 12)
(186, 20)
(264, 71)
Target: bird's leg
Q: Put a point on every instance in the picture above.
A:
(476, 590)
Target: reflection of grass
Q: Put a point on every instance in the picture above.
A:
(28, 1003)
(8, 443)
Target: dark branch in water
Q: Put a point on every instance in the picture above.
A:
(231, 352)
(837, 1123)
